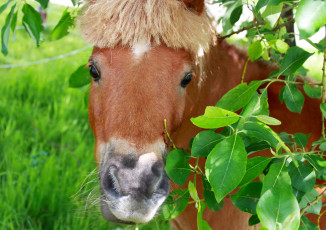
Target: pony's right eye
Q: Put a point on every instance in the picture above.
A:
(96, 75)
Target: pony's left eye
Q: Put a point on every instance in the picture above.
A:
(186, 79)
(94, 73)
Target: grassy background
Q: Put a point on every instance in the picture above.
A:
(46, 144)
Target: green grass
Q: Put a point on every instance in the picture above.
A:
(46, 144)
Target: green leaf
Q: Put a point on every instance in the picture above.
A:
(278, 209)
(303, 177)
(4, 6)
(323, 109)
(239, 96)
(80, 77)
(86, 97)
(322, 146)
(14, 22)
(177, 166)
(293, 98)
(280, 96)
(258, 146)
(226, 165)
(268, 120)
(61, 29)
(310, 17)
(260, 131)
(307, 225)
(271, 13)
(253, 220)
(254, 168)
(279, 45)
(210, 197)
(260, 4)
(204, 142)
(319, 164)
(5, 31)
(276, 177)
(258, 105)
(193, 192)
(75, 2)
(247, 197)
(298, 194)
(214, 118)
(293, 59)
(236, 13)
(255, 50)
(313, 92)
(32, 22)
(181, 199)
(307, 199)
(301, 139)
(201, 223)
(44, 3)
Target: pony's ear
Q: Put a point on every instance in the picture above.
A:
(195, 5)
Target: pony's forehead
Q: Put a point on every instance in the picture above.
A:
(109, 23)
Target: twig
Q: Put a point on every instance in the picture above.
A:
(168, 135)
(241, 30)
(244, 70)
(323, 88)
(291, 21)
(288, 8)
(321, 195)
(318, 220)
(55, 144)
(320, 185)
(193, 202)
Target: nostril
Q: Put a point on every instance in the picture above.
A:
(157, 168)
(110, 183)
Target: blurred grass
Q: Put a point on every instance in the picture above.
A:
(46, 144)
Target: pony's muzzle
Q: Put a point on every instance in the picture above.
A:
(133, 188)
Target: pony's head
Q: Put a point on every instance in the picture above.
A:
(141, 67)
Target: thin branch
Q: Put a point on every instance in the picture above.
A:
(323, 87)
(244, 70)
(318, 220)
(288, 8)
(168, 135)
(321, 195)
(241, 30)
(291, 21)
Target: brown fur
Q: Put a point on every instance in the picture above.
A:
(223, 69)
(133, 98)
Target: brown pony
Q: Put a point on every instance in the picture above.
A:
(145, 54)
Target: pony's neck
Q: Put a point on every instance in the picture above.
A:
(221, 70)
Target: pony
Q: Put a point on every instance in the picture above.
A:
(153, 61)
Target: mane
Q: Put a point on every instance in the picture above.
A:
(109, 23)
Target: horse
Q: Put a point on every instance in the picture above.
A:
(153, 61)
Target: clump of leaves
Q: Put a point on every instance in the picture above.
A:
(287, 180)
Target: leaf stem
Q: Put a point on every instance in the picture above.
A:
(318, 220)
(168, 135)
(244, 69)
(323, 88)
(321, 195)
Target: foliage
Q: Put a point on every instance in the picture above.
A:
(287, 180)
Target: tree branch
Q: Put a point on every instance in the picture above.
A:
(321, 195)
(323, 88)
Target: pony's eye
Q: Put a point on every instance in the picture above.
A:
(187, 78)
(96, 75)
